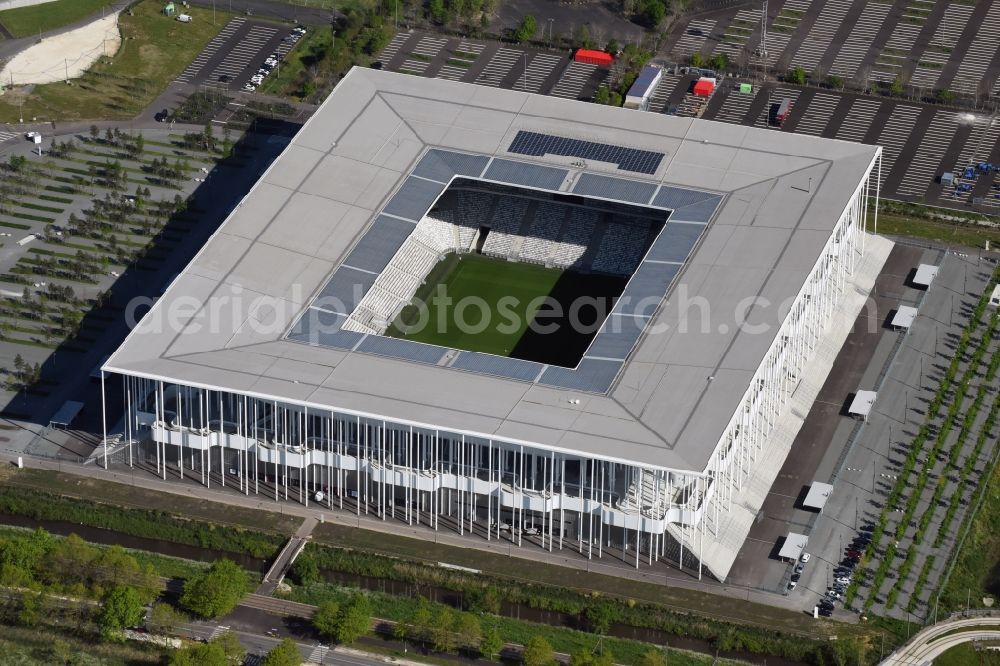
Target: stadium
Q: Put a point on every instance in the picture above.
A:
(444, 304)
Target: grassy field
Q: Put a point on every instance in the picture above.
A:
(495, 286)
(977, 567)
(46, 646)
(26, 21)
(108, 492)
(531, 571)
(156, 50)
(967, 655)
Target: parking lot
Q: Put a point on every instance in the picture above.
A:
(234, 56)
(492, 64)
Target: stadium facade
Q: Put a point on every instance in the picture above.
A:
(263, 367)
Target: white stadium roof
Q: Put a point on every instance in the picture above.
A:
(771, 200)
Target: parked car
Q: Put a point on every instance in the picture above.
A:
(792, 584)
(833, 594)
(799, 567)
(805, 557)
(796, 577)
(844, 580)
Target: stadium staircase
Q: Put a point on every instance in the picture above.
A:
(721, 549)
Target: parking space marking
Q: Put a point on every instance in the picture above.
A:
(246, 50)
(858, 119)
(502, 62)
(855, 47)
(776, 96)
(946, 36)
(460, 61)
(694, 36)
(392, 48)
(735, 107)
(921, 170)
(889, 63)
(738, 32)
(573, 80)
(817, 115)
(816, 43)
(895, 134)
(423, 54)
(538, 70)
(783, 27)
(982, 50)
(210, 49)
(6, 136)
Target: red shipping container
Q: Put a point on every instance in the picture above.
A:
(704, 87)
(592, 57)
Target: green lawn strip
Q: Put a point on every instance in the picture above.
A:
(976, 567)
(567, 641)
(46, 209)
(149, 523)
(28, 21)
(968, 654)
(33, 218)
(49, 197)
(118, 494)
(156, 50)
(14, 225)
(956, 233)
(294, 66)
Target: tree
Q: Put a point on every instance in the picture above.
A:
(327, 619)
(140, 144)
(355, 620)
(697, 60)
(285, 653)
(602, 96)
(944, 96)
(233, 650)
(491, 643)
(526, 30)
(720, 61)
(437, 11)
(896, 86)
(797, 76)
(305, 570)
(537, 652)
(163, 619)
(200, 654)
(599, 617)
(613, 47)
(583, 36)
(94, 132)
(835, 82)
(422, 621)
(216, 591)
(122, 608)
(469, 630)
(585, 657)
(442, 639)
(653, 12)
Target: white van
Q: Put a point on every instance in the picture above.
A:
(184, 18)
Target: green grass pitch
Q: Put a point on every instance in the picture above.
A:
(475, 285)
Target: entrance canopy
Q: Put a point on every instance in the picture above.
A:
(817, 496)
(794, 545)
(904, 317)
(64, 417)
(862, 404)
(925, 275)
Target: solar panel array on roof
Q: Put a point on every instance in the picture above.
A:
(531, 175)
(377, 247)
(441, 165)
(617, 337)
(646, 289)
(406, 350)
(700, 211)
(511, 368)
(675, 242)
(678, 197)
(592, 184)
(627, 159)
(344, 290)
(592, 376)
(414, 198)
(308, 331)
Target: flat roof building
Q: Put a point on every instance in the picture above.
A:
(256, 354)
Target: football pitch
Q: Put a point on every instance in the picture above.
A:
(482, 304)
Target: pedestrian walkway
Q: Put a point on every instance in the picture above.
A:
(287, 556)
